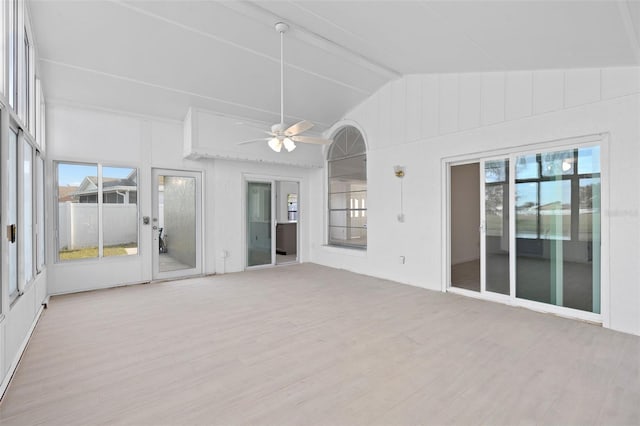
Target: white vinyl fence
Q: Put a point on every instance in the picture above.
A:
(79, 224)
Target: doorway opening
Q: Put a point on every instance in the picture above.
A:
(465, 226)
(176, 224)
(286, 222)
(272, 222)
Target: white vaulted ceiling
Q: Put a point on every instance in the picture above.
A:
(160, 57)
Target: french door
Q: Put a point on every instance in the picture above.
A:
(176, 223)
(540, 230)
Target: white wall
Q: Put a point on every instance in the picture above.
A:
(419, 120)
(86, 135)
(229, 216)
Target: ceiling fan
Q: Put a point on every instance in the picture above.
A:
(279, 134)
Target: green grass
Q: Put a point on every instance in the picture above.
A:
(92, 252)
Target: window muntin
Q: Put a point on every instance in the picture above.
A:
(97, 211)
(347, 194)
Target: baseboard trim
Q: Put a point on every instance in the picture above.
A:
(16, 361)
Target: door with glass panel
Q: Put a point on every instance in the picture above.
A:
(176, 224)
(557, 222)
(259, 224)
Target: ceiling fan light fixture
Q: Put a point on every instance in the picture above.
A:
(289, 144)
(275, 144)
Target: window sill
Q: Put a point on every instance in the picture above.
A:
(349, 251)
(98, 260)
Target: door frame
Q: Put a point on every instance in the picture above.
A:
(601, 139)
(156, 274)
(250, 177)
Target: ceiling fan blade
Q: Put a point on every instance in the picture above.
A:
(301, 126)
(253, 140)
(311, 139)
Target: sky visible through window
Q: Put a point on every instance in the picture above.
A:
(527, 168)
(73, 174)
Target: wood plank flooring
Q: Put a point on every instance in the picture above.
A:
(306, 344)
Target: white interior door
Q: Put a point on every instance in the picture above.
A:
(176, 223)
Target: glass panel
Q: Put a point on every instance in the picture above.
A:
(344, 200)
(40, 241)
(496, 171)
(176, 223)
(12, 218)
(559, 263)
(26, 228)
(77, 211)
(589, 160)
(497, 226)
(589, 207)
(527, 210)
(13, 53)
(555, 210)
(348, 170)
(119, 211)
(26, 101)
(557, 163)
(258, 224)
(527, 167)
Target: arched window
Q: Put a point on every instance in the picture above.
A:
(347, 169)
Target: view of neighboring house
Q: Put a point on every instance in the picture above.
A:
(67, 194)
(114, 190)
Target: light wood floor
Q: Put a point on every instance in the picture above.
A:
(305, 344)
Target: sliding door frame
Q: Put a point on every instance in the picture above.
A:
(511, 153)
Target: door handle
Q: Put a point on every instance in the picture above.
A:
(12, 230)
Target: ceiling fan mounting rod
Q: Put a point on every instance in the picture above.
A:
(281, 27)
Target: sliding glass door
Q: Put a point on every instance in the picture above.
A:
(558, 228)
(540, 228)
